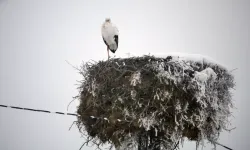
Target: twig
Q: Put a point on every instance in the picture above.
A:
(73, 66)
(229, 130)
(176, 145)
(70, 103)
(87, 141)
(81, 146)
(222, 145)
(233, 70)
(72, 125)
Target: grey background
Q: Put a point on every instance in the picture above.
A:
(37, 36)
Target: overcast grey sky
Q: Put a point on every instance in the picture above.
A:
(37, 36)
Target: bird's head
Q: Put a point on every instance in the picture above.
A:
(107, 20)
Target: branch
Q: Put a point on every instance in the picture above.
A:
(72, 124)
(222, 145)
(176, 145)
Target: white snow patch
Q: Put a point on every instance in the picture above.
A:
(167, 95)
(201, 79)
(205, 74)
(120, 99)
(179, 57)
(164, 74)
(126, 113)
(147, 122)
(93, 87)
(156, 132)
(135, 78)
(106, 119)
(133, 94)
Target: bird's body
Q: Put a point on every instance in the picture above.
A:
(110, 36)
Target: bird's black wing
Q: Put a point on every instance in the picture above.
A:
(105, 41)
(116, 39)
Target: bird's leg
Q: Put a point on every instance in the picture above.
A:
(108, 52)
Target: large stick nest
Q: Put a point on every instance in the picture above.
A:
(172, 98)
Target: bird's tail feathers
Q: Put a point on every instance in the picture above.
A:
(113, 51)
(113, 48)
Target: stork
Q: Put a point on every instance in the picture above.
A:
(110, 35)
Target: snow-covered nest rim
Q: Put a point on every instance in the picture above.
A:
(179, 56)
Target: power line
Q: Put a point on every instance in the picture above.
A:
(39, 110)
(71, 114)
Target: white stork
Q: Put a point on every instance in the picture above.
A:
(110, 35)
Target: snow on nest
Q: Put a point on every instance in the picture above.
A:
(177, 56)
(205, 74)
(136, 78)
